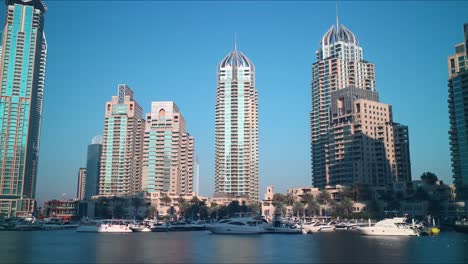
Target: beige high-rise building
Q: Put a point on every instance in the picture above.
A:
(236, 130)
(80, 190)
(168, 151)
(122, 145)
(365, 146)
(354, 139)
(340, 64)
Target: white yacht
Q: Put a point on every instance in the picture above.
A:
(114, 226)
(318, 227)
(239, 225)
(389, 227)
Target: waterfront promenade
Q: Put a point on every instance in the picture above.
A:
(68, 246)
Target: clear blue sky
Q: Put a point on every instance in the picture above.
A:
(170, 50)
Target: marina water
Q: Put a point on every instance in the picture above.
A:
(64, 246)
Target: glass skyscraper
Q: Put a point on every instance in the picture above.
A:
(236, 128)
(458, 114)
(93, 164)
(22, 74)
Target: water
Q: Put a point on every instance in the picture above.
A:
(201, 247)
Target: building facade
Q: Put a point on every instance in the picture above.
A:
(167, 151)
(458, 115)
(340, 63)
(122, 145)
(93, 166)
(81, 186)
(236, 128)
(22, 72)
(352, 133)
(63, 209)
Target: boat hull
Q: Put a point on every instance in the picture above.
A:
(235, 230)
(380, 232)
(461, 227)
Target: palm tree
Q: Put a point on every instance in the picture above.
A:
(347, 206)
(289, 199)
(323, 197)
(298, 209)
(278, 198)
(194, 200)
(312, 207)
(166, 199)
(180, 200)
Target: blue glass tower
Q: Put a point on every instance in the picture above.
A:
(458, 114)
(22, 74)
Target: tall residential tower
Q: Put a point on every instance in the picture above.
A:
(22, 74)
(167, 152)
(352, 133)
(236, 131)
(458, 114)
(122, 145)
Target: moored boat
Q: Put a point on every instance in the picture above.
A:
(396, 226)
(461, 226)
(239, 225)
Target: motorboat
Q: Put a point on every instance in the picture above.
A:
(185, 226)
(280, 227)
(239, 225)
(56, 224)
(159, 227)
(140, 228)
(318, 227)
(461, 226)
(396, 226)
(114, 226)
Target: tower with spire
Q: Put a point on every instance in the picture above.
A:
(347, 147)
(236, 128)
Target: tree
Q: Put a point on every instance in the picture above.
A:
(180, 200)
(347, 206)
(118, 210)
(312, 207)
(347, 192)
(298, 209)
(278, 198)
(323, 197)
(166, 199)
(288, 199)
(373, 208)
(429, 178)
(150, 213)
(194, 200)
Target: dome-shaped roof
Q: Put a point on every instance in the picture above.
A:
(236, 59)
(339, 33)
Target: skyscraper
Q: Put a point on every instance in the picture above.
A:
(22, 72)
(122, 145)
(93, 166)
(458, 115)
(167, 152)
(236, 131)
(81, 186)
(352, 133)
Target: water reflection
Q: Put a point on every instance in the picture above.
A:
(352, 247)
(175, 247)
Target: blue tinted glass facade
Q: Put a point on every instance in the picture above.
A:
(23, 57)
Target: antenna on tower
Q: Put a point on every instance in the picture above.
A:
(337, 24)
(235, 41)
